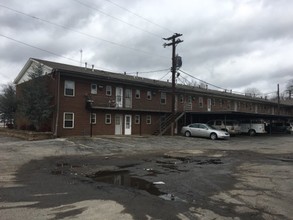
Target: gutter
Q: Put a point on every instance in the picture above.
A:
(58, 105)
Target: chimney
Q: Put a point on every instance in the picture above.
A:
(85, 65)
(93, 67)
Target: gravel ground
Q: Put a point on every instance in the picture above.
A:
(110, 177)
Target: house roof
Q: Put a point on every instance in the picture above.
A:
(100, 74)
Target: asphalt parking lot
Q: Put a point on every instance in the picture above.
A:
(110, 177)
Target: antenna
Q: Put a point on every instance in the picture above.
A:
(80, 57)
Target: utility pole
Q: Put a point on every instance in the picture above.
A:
(278, 94)
(173, 43)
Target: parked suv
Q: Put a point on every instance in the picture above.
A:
(231, 126)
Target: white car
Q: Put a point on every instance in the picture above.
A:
(204, 130)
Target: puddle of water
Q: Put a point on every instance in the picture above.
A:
(123, 178)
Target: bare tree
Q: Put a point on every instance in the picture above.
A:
(289, 88)
(254, 92)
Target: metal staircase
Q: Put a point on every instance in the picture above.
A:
(164, 125)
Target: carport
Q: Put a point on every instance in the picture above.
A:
(203, 117)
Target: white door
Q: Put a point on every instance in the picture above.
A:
(119, 97)
(209, 105)
(118, 124)
(128, 98)
(127, 130)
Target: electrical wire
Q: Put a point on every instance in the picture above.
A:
(164, 76)
(38, 48)
(201, 80)
(117, 19)
(139, 16)
(79, 32)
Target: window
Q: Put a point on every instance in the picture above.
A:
(94, 89)
(137, 119)
(69, 88)
(108, 119)
(93, 118)
(149, 119)
(181, 98)
(163, 98)
(214, 102)
(137, 94)
(149, 95)
(68, 120)
(108, 90)
(189, 99)
(200, 102)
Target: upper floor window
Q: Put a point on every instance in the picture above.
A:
(181, 97)
(94, 89)
(137, 94)
(149, 95)
(200, 102)
(68, 120)
(108, 90)
(189, 99)
(163, 98)
(93, 118)
(69, 88)
(214, 102)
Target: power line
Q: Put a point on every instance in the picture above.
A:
(117, 19)
(79, 32)
(164, 75)
(38, 48)
(139, 16)
(201, 80)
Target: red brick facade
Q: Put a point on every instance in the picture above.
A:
(124, 104)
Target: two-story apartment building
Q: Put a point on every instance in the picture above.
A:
(94, 102)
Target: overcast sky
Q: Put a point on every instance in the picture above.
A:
(233, 44)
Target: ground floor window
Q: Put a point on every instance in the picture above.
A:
(68, 120)
(93, 118)
(137, 119)
(149, 119)
(108, 119)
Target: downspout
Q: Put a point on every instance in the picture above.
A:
(58, 106)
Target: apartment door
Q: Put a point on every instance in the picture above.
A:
(118, 124)
(128, 98)
(209, 105)
(119, 97)
(127, 130)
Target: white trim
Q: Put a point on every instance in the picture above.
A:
(69, 81)
(94, 118)
(64, 113)
(110, 120)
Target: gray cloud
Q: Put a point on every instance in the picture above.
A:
(233, 44)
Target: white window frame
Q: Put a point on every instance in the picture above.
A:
(108, 90)
(137, 119)
(64, 120)
(137, 94)
(200, 102)
(93, 118)
(163, 99)
(149, 95)
(69, 84)
(148, 119)
(108, 119)
(94, 90)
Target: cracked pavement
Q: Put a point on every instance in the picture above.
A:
(110, 177)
